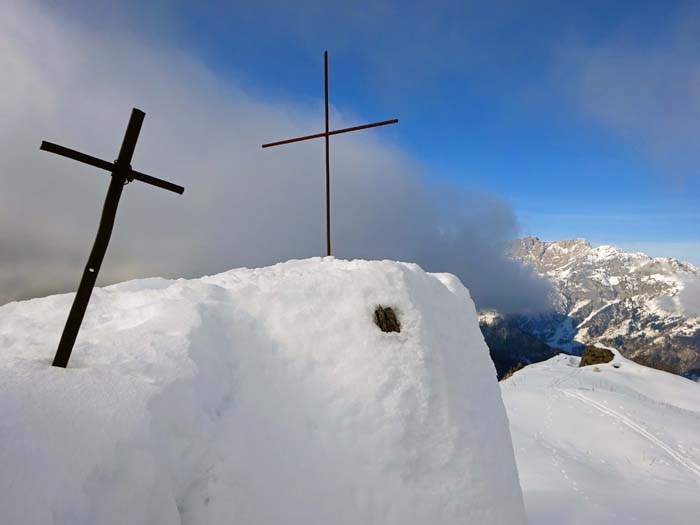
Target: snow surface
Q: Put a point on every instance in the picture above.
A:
(262, 396)
(610, 447)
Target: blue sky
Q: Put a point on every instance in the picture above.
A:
(582, 116)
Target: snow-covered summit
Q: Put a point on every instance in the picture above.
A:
(263, 396)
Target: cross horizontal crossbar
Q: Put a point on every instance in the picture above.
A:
(334, 132)
(109, 166)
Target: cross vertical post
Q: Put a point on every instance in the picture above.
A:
(328, 159)
(326, 135)
(121, 174)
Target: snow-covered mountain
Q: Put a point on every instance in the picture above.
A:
(611, 444)
(258, 396)
(646, 307)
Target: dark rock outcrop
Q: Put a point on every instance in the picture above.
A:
(592, 355)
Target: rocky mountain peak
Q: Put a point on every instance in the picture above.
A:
(604, 294)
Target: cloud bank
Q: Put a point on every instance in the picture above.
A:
(689, 298)
(243, 206)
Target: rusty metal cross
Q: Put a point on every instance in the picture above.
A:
(122, 174)
(327, 134)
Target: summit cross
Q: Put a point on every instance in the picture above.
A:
(327, 134)
(122, 174)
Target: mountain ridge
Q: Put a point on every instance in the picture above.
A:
(602, 294)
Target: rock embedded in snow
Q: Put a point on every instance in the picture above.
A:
(261, 396)
(386, 320)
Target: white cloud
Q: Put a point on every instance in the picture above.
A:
(690, 298)
(242, 206)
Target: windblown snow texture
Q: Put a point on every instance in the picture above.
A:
(263, 396)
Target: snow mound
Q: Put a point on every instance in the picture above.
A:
(257, 396)
(611, 444)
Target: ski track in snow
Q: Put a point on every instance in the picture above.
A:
(684, 461)
(557, 462)
(571, 448)
(560, 381)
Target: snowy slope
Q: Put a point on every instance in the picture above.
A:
(615, 447)
(261, 396)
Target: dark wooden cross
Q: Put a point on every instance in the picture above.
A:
(327, 135)
(122, 174)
